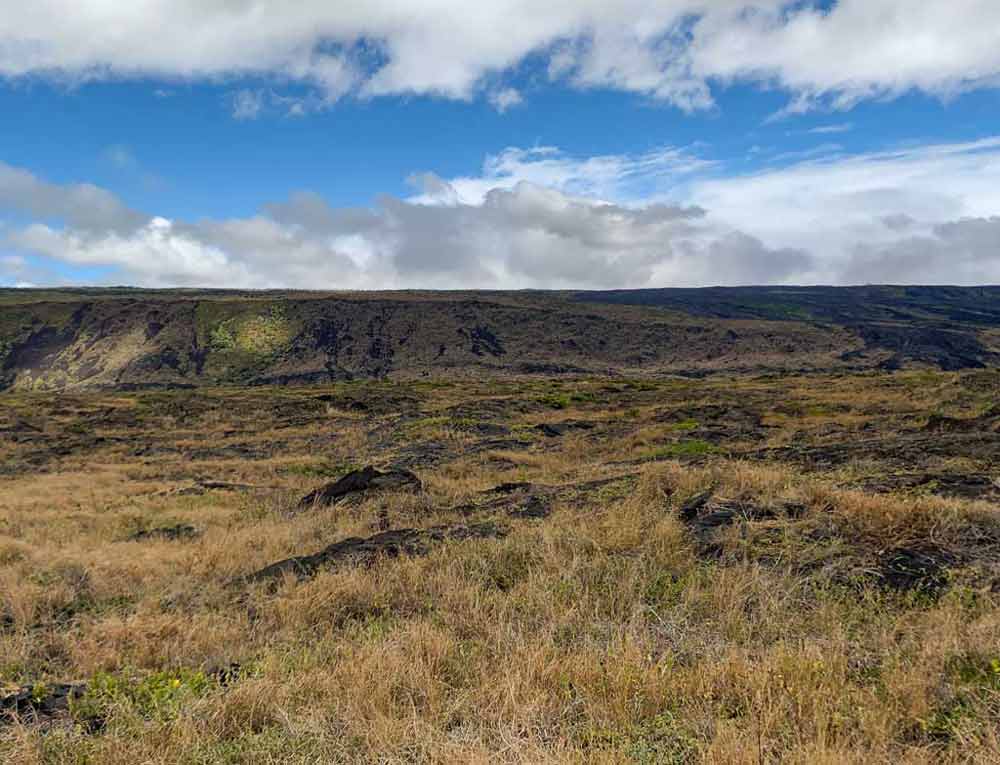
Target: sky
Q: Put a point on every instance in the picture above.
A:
(502, 144)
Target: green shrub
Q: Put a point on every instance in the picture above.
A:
(156, 696)
(223, 337)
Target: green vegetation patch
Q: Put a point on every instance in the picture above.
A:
(322, 469)
(565, 400)
(777, 311)
(264, 334)
(685, 425)
(974, 680)
(159, 696)
(694, 447)
(662, 739)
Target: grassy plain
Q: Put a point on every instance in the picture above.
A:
(730, 570)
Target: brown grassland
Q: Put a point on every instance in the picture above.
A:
(730, 570)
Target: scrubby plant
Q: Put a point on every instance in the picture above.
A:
(159, 695)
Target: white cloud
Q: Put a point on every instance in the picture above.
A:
(82, 205)
(858, 49)
(12, 266)
(828, 206)
(603, 177)
(525, 236)
(844, 127)
(674, 50)
(964, 251)
(515, 233)
(247, 104)
(503, 100)
(540, 218)
(823, 150)
(154, 254)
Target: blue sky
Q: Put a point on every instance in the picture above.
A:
(615, 144)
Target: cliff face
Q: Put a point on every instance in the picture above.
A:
(94, 338)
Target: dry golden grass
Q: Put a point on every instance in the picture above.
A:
(603, 633)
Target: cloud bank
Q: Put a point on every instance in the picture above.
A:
(542, 219)
(675, 51)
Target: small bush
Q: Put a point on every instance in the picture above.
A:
(157, 696)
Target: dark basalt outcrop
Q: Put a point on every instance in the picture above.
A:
(365, 480)
(704, 515)
(961, 485)
(365, 551)
(900, 452)
(989, 422)
(39, 703)
(923, 569)
(518, 499)
(556, 429)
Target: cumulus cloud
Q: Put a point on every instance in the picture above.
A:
(515, 233)
(154, 253)
(855, 50)
(540, 218)
(83, 206)
(526, 236)
(674, 50)
(965, 251)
